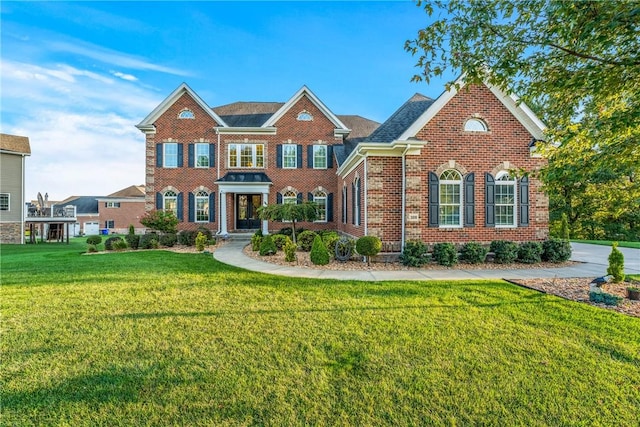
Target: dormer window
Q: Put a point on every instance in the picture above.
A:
(305, 116)
(475, 125)
(186, 114)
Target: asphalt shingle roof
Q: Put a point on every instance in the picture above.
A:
(83, 204)
(14, 143)
(247, 114)
(400, 121)
(245, 177)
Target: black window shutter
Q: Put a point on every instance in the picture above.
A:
(299, 198)
(180, 155)
(192, 204)
(299, 156)
(469, 200)
(310, 156)
(310, 197)
(353, 203)
(279, 155)
(359, 212)
(190, 150)
(489, 200)
(330, 207)
(180, 206)
(524, 202)
(212, 155)
(279, 198)
(212, 206)
(434, 200)
(330, 156)
(159, 201)
(159, 155)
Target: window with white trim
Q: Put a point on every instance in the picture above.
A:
(319, 156)
(505, 200)
(475, 125)
(4, 201)
(202, 206)
(290, 198)
(170, 155)
(109, 223)
(450, 202)
(170, 202)
(186, 114)
(305, 116)
(202, 154)
(320, 199)
(289, 156)
(246, 155)
(111, 204)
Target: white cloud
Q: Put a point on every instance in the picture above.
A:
(124, 76)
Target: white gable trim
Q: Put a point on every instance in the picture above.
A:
(146, 125)
(381, 149)
(304, 91)
(520, 111)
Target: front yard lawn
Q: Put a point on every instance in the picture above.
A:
(160, 338)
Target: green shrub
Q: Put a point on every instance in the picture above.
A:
(530, 252)
(169, 239)
(149, 241)
(108, 244)
(556, 250)
(187, 237)
(616, 264)
(256, 240)
(604, 298)
(288, 231)
(330, 238)
(201, 240)
(473, 253)
(91, 248)
(120, 245)
(163, 221)
(205, 231)
(267, 247)
(505, 251)
(564, 227)
(445, 254)
(280, 240)
(368, 246)
(94, 240)
(133, 240)
(305, 240)
(132, 230)
(290, 249)
(415, 254)
(319, 254)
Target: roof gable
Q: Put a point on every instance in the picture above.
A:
(147, 123)
(15, 144)
(400, 121)
(247, 114)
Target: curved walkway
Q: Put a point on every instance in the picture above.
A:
(592, 258)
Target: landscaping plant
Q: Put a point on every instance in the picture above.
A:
(305, 240)
(530, 252)
(280, 240)
(169, 239)
(445, 254)
(473, 253)
(556, 250)
(267, 247)
(290, 249)
(256, 240)
(369, 246)
(108, 244)
(201, 241)
(319, 254)
(505, 251)
(94, 240)
(159, 220)
(415, 254)
(616, 263)
(133, 240)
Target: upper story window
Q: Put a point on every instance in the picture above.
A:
(450, 199)
(319, 156)
(505, 200)
(305, 116)
(170, 202)
(186, 114)
(112, 205)
(475, 125)
(289, 156)
(4, 201)
(202, 155)
(170, 154)
(246, 155)
(202, 206)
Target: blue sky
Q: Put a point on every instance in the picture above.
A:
(77, 76)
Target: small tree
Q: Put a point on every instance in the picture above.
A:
(616, 264)
(294, 212)
(368, 246)
(201, 240)
(132, 230)
(162, 221)
(319, 254)
(564, 227)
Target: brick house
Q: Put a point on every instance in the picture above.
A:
(119, 210)
(451, 169)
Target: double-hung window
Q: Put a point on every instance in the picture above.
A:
(170, 202)
(246, 155)
(289, 156)
(450, 199)
(170, 154)
(202, 206)
(505, 200)
(112, 204)
(202, 155)
(319, 156)
(4, 201)
(320, 199)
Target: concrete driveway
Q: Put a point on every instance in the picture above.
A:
(599, 255)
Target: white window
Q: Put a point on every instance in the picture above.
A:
(170, 154)
(4, 201)
(305, 116)
(289, 156)
(112, 204)
(290, 197)
(202, 155)
(202, 206)
(246, 155)
(505, 200)
(319, 156)
(475, 125)
(320, 199)
(450, 199)
(109, 223)
(186, 114)
(170, 202)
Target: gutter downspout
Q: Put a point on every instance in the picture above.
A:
(404, 198)
(220, 200)
(366, 205)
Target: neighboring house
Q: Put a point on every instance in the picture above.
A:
(13, 152)
(119, 210)
(453, 169)
(87, 216)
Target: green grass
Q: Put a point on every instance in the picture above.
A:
(635, 245)
(159, 338)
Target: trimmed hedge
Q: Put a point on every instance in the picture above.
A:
(280, 240)
(556, 250)
(473, 253)
(267, 247)
(133, 240)
(445, 254)
(505, 251)
(305, 240)
(149, 241)
(415, 254)
(94, 240)
(108, 244)
(168, 239)
(530, 252)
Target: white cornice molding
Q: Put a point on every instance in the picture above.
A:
(246, 130)
(394, 149)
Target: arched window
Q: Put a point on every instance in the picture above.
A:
(355, 202)
(320, 199)
(450, 198)
(475, 125)
(290, 197)
(505, 200)
(305, 116)
(202, 206)
(186, 114)
(170, 202)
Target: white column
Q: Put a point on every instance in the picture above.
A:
(265, 223)
(223, 213)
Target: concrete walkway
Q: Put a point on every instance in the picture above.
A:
(592, 258)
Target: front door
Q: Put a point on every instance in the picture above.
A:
(246, 211)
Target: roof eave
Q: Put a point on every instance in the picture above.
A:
(388, 149)
(246, 130)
